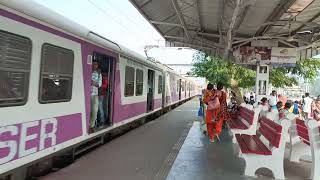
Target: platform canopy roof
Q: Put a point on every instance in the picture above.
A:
(220, 26)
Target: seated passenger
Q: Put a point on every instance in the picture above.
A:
(273, 99)
(275, 112)
(264, 104)
(295, 108)
(252, 98)
(279, 106)
(285, 113)
(282, 98)
(316, 109)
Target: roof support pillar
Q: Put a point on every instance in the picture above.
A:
(230, 29)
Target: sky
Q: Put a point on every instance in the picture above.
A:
(119, 21)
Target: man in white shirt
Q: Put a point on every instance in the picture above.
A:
(273, 99)
(307, 102)
(247, 95)
(96, 81)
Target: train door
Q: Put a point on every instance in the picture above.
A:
(168, 88)
(105, 93)
(162, 82)
(150, 90)
(179, 87)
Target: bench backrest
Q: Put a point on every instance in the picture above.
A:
(302, 131)
(247, 114)
(314, 132)
(314, 135)
(270, 130)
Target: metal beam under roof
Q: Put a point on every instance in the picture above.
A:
(205, 24)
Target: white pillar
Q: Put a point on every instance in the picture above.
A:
(262, 82)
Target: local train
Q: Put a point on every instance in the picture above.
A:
(46, 84)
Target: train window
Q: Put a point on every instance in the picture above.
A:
(56, 74)
(160, 85)
(139, 82)
(178, 83)
(129, 81)
(15, 62)
(182, 86)
(172, 83)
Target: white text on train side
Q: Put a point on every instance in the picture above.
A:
(17, 147)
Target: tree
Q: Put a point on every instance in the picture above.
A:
(308, 69)
(234, 76)
(216, 69)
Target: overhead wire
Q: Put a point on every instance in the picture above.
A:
(112, 18)
(132, 20)
(126, 15)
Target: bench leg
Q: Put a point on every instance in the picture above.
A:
(276, 166)
(315, 171)
(250, 169)
(298, 150)
(278, 171)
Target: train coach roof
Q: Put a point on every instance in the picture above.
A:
(53, 19)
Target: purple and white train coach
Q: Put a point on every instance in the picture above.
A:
(45, 84)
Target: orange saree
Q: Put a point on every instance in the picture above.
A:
(215, 118)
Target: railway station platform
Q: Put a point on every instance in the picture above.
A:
(171, 147)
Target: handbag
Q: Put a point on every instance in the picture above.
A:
(214, 104)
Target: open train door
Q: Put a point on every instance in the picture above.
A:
(150, 90)
(167, 89)
(106, 71)
(179, 88)
(162, 82)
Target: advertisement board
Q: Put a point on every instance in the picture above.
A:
(250, 55)
(274, 56)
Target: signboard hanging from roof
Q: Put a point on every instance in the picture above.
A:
(275, 56)
(283, 56)
(250, 55)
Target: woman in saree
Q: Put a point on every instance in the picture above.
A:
(208, 96)
(220, 114)
(215, 117)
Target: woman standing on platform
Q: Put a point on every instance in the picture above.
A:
(215, 117)
(208, 96)
(221, 113)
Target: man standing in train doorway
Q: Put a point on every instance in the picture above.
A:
(96, 82)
